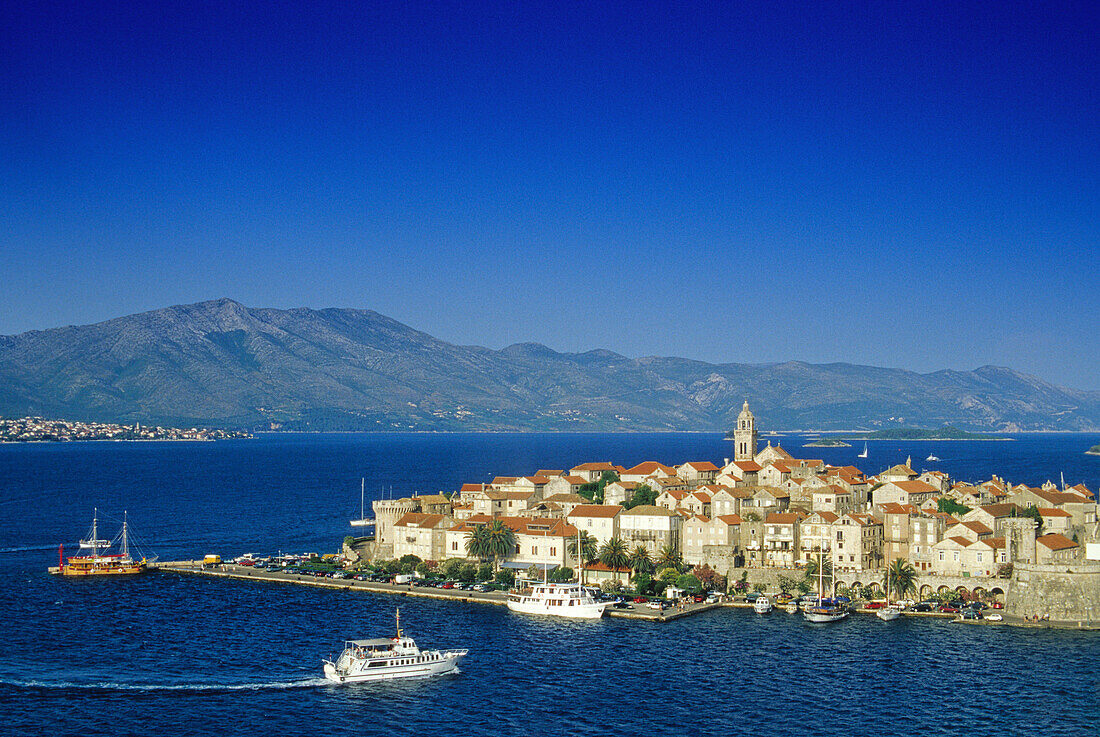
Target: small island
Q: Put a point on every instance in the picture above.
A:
(947, 432)
(1093, 451)
(828, 443)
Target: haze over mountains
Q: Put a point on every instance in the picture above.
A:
(222, 364)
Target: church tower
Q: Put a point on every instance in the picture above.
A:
(744, 435)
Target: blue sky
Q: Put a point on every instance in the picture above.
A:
(910, 185)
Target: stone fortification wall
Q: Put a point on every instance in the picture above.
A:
(1067, 594)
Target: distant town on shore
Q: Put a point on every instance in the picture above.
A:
(40, 430)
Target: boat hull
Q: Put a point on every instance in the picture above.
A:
(888, 615)
(447, 664)
(579, 611)
(823, 617)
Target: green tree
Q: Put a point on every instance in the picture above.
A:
(451, 568)
(614, 554)
(485, 572)
(467, 572)
(640, 562)
(561, 574)
(668, 575)
(668, 557)
(901, 578)
(803, 586)
(506, 577)
(409, 562)
(948, 505)
(689, 583)
(643, 494)
(424, 568)
(759, 587)
(811, 573)
(1033, 512)
(751, 517)
(589, 548)
(787, 583)
(643, 583)
(477, 542)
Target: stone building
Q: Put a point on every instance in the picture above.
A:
(744, 435)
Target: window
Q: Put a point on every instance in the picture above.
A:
(454, 545)
(941, 555)
(979, 557)
(553, 552)
(956, 555)
(534, 550)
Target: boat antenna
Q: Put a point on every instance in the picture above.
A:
(397, 613)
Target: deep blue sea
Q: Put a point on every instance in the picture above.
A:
(169, 654)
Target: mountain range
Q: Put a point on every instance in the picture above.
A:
(221, 364)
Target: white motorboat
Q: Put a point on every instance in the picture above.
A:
(932, 457)
(762, 605)
(864, 453)
(387, 658)
(791, 607)
(559, 600)
(888, 613)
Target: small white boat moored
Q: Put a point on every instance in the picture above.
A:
(762, 605)
(387, 658)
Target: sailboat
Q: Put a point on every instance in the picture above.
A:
(864, 453)
(101, 562)
(888, 613)
(932, 457)
(363, 520)
(824, 610)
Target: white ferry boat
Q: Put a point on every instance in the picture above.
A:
(762, 605)
(386, 658)
(558, 599)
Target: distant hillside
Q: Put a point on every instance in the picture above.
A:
(947, 432)
(220, 364)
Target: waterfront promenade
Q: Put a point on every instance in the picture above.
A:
(499, 598)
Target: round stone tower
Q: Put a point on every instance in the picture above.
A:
(744, 435)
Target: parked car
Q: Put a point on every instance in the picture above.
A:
(995, 617)
(875, 604)
(948, 609)
(971, 614)
(713, 599)
(640, 600)
(783, 598)
(998, 605)
(622, 605)
(699, 598)
(922, 607)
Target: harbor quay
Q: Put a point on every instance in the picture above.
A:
(499, 598)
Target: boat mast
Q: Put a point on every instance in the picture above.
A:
(125, 538)
(362, 496)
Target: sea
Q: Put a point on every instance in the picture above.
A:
(187, 655)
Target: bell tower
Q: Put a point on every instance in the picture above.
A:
(744, 435)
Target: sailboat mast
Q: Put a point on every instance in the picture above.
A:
(362, 496)
(125, 537)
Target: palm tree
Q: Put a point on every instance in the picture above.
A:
(811, 570)
(588, 546)
(477, 543)
(640, 562)
(669, 558)
(500, 543)
(614, 554)
(901, 577)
